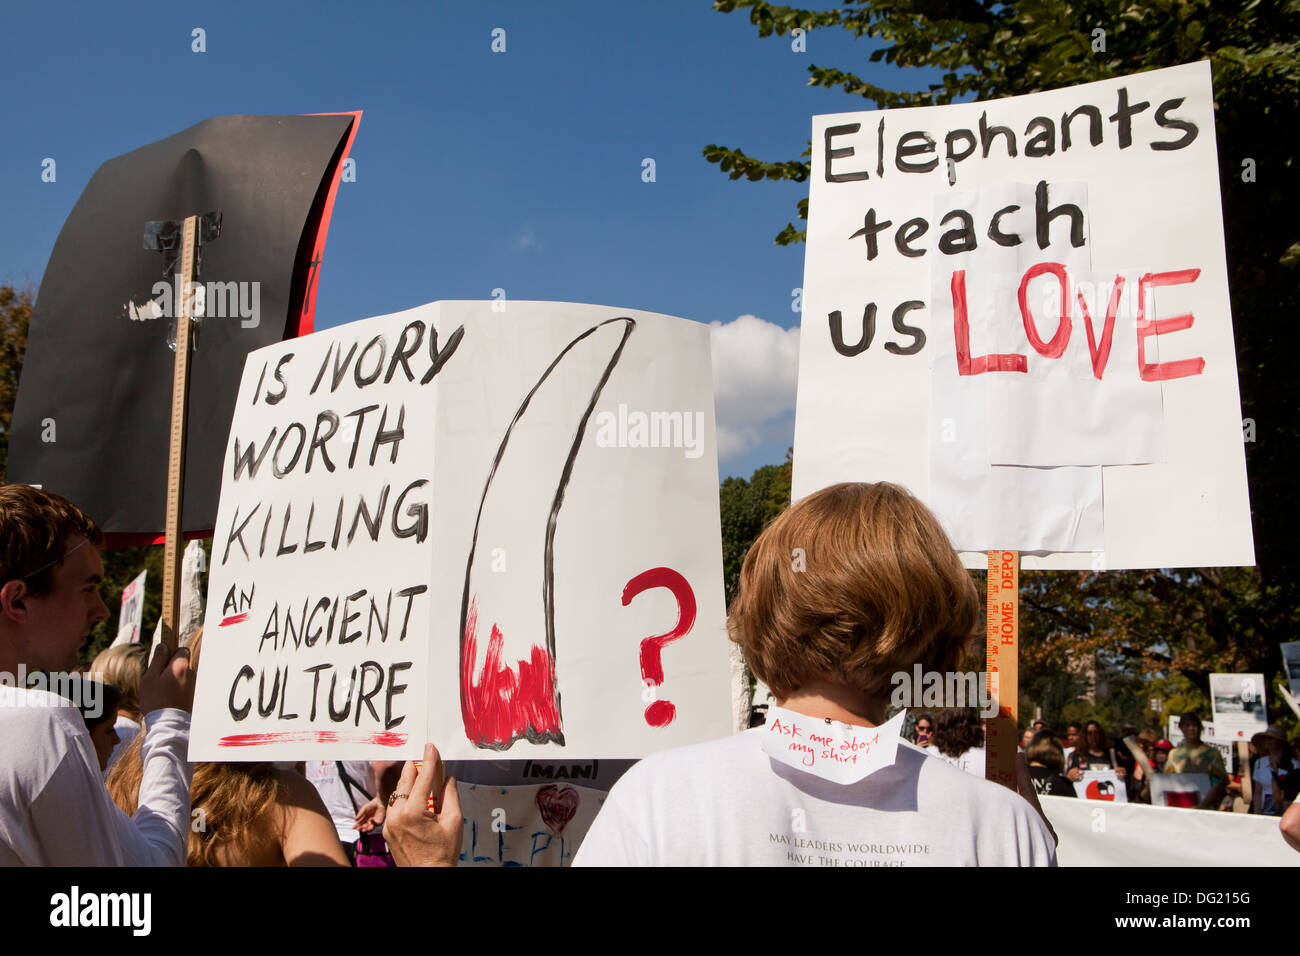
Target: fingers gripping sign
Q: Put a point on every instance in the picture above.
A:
(424, 824)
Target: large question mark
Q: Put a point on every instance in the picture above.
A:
(661, 712)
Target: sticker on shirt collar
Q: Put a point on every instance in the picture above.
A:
(841, 753)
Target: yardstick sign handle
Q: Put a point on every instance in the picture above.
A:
(1001, 734)
(173, 548)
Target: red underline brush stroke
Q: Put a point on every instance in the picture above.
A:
(381, 739)
(234, 619)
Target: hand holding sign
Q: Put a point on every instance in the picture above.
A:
(425, 825)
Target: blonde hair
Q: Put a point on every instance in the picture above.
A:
(123, 666)
(237, 800)
(851, 585)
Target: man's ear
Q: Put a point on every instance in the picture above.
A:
(13, 597)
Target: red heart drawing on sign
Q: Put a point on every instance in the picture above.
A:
(558, 805)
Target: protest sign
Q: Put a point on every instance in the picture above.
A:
(1101, 785)
(1018, 309)
(132, 613)
(1291, 666)
(495, 529)
(540, 825)
(1239, 705)
(97, 376)
(1179, 789)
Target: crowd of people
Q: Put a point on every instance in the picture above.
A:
(1056, 764)
(881, 590)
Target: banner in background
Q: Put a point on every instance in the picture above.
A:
(1092, 834)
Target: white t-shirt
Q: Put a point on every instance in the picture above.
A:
(324, 776)
(1263, 779)
(127, 729)
(726, 803)
(972, 761)
(54, 809)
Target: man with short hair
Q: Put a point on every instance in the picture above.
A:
(1193, 756)
(882, 590)
(54, 809)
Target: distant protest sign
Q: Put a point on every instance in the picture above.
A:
(1179, 789)
(490, 525)
(1018, 309)
(1291, 666)
(1101, 785)
(131, 616)
(1240, 707)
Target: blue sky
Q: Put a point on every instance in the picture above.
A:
(475, 170)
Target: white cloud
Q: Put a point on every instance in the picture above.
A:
(526, 238)
(755, 367)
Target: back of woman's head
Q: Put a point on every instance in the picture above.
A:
(1046, 750)
(231, 802)
(957, 730)
(123, 666)
(851, 585)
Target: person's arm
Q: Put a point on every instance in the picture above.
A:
(308, 835)
(1025, 787)
(1073, 773)
(1217, 790)
(1290, 826)
(78, 823)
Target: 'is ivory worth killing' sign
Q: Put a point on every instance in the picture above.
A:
(493, 529)
(1018, 309)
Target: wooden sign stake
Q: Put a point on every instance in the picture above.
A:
(173, 549)
(1001, 733)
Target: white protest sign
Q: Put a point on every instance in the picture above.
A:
(132, 614)
(1101, 785)
(1291, 666)
(1179, 789)
(1239, 704)
(1018, 309)
(540, 825)
(493, 530)
(830, 749)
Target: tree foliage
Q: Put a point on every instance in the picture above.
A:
(746, 508)
(15, 316)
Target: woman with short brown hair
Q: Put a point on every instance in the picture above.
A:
(846, 588)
